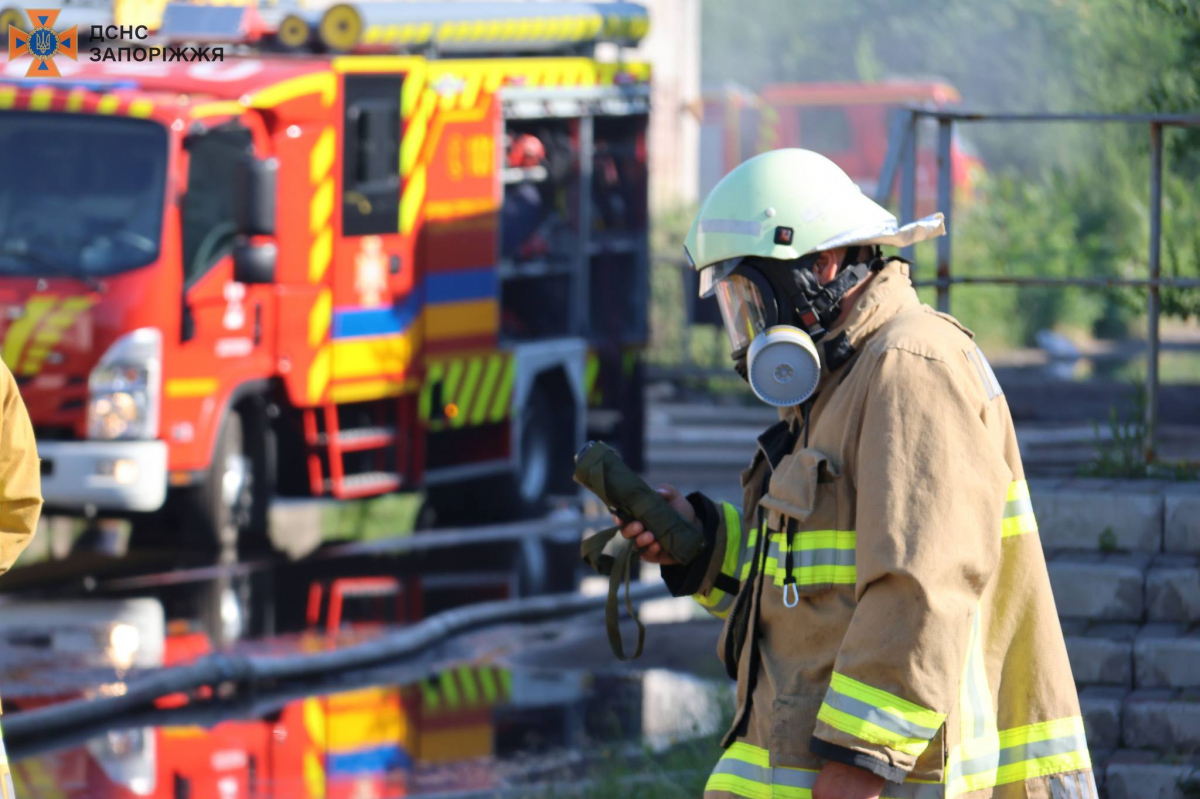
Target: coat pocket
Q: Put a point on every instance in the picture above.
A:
(802, 513)
(793, 717)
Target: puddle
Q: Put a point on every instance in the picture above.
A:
(479, 729)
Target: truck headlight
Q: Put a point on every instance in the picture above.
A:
(123, 389)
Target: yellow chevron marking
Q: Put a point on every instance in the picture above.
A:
(220, 108)
(320, 160)
(75, 99)
(466, 677)
(144, 108)
(467, 395)
(410, 202)
(479, 411)
(414, 134)
(20, 330)
(108, 104)
(320, 254)
(410, 92)
(320, 317)
(40, 99)
(487, 681)
(450, 385)
(318, 374)
(504, 392)
(8, 94)
(314, 775)
(320, 208)
(323, 83)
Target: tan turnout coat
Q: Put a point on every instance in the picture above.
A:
(923, 642)
(20, 474)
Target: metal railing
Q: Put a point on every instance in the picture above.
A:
(902, 157)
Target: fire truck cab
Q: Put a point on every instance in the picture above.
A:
(407, 260)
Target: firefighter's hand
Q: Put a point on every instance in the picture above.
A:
(652, 551)
(839, 781)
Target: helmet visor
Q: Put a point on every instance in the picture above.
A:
(742, 309)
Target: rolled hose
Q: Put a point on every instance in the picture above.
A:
(253, 670)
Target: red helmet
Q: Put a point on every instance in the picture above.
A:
(526, 150)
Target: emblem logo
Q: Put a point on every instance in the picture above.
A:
(371, 272)
(42, 42)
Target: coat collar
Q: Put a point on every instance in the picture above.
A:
(889, 292)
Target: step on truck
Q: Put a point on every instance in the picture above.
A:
(375, 247)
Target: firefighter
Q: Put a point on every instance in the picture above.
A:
(20, 497)
(892, 633)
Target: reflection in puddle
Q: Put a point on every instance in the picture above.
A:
(474, 728)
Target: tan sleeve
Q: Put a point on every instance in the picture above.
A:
(931, 488)
(20, 474)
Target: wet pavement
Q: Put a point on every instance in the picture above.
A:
(528, 710)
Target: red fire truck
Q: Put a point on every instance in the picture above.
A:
(403, 257)
(848, 122)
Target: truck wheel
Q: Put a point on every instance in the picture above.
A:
(234, 498)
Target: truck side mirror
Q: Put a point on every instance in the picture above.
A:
(254, 262)
(254, 210)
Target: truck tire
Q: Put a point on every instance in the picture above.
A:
(225, 518)
(233, 502)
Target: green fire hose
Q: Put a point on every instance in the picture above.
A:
(600, 469)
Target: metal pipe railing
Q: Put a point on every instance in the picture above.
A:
(902, 156)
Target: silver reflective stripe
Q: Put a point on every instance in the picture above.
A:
(1018, 507)
(737, 226)
(861, 710)
(991, 376)
(1016, 754)
(812, 557)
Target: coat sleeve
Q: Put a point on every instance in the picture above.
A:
(931, 485)
(714, 578)
(20, 474)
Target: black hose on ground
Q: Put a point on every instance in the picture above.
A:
(248, 671)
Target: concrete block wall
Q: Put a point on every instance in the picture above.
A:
(1124, 561)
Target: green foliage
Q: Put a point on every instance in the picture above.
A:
(1122, 453)
(1108, 540)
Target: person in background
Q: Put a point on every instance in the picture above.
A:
(20, 498)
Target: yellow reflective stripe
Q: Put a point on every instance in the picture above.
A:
(888, 702)
(816, 539)
(834, 574)
(872, 733)
(733, 541)
(821, 557)
(1018, 511)
(1049, 747)
(745, 770)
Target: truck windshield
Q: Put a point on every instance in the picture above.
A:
(80, 195)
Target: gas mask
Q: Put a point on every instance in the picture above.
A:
(775, 312)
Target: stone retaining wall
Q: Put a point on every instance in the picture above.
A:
(1124, 560)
